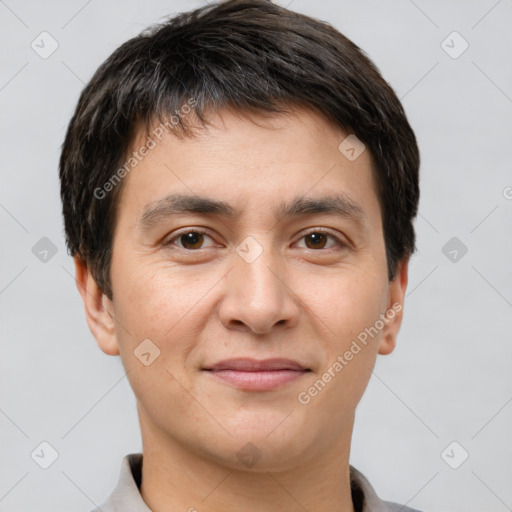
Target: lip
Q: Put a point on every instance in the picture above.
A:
(257, 375)
(247, 364)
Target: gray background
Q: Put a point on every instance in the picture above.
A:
(449, 378)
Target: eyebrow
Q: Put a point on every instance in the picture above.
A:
(339, 205)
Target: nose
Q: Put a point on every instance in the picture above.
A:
(258, 296)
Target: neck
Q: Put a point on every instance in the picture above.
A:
(176, 478)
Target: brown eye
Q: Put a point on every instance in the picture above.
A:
(191, 240)
(317, 240)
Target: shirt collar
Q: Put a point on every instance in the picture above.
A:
(126, 496)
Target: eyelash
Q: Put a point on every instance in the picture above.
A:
(339, 242)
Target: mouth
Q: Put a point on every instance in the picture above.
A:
(255, 375)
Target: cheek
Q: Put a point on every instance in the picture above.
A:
(350, 308)
(164, 307)
(152, 298)
(360, 305)
(162, 304)
(349, 303)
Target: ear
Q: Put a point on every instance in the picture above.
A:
(394, 311)
(98, 309)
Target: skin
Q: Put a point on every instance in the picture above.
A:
(294, 301)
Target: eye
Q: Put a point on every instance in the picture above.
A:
(193, 240)
(317, 239)
(190, 240)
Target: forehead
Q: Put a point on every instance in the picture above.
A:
(245, 160)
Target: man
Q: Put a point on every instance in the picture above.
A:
(239, 185)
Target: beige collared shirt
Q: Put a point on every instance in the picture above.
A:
(126, 496)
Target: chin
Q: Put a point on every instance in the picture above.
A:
(265, 446)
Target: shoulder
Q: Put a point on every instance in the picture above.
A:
(396, 507)
(366, 499)
(107, 506)
(126, 495)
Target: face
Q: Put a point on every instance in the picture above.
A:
(263, 289)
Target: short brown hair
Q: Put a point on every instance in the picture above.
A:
(247, 55)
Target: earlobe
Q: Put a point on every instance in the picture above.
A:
(394, 311)
(98, 309)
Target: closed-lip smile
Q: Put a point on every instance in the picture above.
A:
(257, 375)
